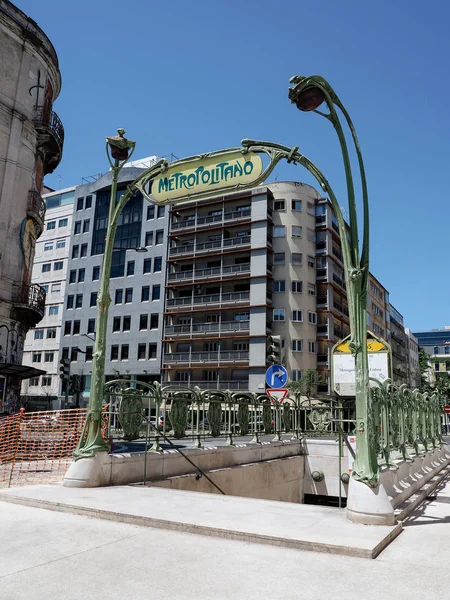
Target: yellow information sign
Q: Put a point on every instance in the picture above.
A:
(207, 174)
(372, 346)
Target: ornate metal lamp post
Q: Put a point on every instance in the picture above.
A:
(91, 440)
(308, 93)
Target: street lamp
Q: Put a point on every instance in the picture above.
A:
(308, 93)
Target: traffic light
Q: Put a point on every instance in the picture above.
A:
(75, 384)
(64, 369)
(273, 353)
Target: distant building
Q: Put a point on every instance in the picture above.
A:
(31, 138)
(413, 360)
(400, 350)
(436, 343)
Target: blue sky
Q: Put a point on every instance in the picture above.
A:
(190, 77)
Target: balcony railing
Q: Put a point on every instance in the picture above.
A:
(322, 359)
(322, 330)
(212, 385)
(338, 254)
(215, 357)
(206, 246)
(210, 299)
(321, 274)
(338, 280)
(213, 271)
(36, 204)
(321, 220)
(210, 219)
(50, 132)
(29, 303)
(202, 328)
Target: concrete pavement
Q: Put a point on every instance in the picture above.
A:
(49, 555)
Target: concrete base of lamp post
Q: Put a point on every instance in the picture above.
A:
(89, 472)
(369, 506)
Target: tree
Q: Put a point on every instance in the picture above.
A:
(307, 385)
(424, 370)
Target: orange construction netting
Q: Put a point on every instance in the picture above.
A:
(37, 447)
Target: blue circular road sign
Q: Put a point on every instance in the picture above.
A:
(276, 376)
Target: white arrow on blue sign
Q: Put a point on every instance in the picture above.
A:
(276, 376)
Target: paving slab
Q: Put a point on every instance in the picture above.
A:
(299, 526)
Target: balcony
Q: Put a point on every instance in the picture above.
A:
(208, 273)
(36, 210)
(322, 302)
(29, 304)
(321, 274)
(50, 132)
(321, 220)
(335, 226)
(322, 359)
(321, 248)
(212, 385)
(338, 280)
(322, 330)
(204, 222)
(208, 246)
(202, 329)
(188, 358)
(212, 299)
(338, 254)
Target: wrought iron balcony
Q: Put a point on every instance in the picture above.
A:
(204, 357)
(50, 137)
(29, 304)
(36, 210)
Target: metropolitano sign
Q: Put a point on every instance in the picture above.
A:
(207, 175)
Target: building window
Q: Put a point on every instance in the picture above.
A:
(296, 205)
(279, 314)
(157, 264)
(69, 303)
(75, 251)
(297, 258)
(312, 318)
(435, 350)
(36, 357)
(143, 322)
(279, 286)
(128, 295)
(45, 288)
(53, 310)
(279, 258)
(34, 381)
(73, 354)
(81, 275)
(65, 353)
(48, 246)
(446, 350)
(124, 351)
(297, 286)
(150, 212)
(296, 375)
(76, 328)
(141, 351)
(311, 262)
(88, 202)
(156, 292)
(80, 202)
(145, 293)
(297, 315)
(116, 324)
(79, 301)
(95, 273)
(89, 353)
(73, 276)
(51, 225)
(77, 229)
(311, 235)
(297, 345)
(279, 231)
(46, 381)
(149, 238)
(49, 356)
(63, 222)
(297, 231)
(46, 267)
(279, 205)
(118, 298)
(91, 326)
(86, 226)
(60, 244)
(58, 265)
(38, 334)
(130, 268)
(154, 321)
(126, 326)
(161, 212)
(147, 265)
(67, 327)
(114, 352)
(310, 209)
(83, 250)
(51, 334)
(312, 347)
(93, 299)
(152, 350)
(159, 237)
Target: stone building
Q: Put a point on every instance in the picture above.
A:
(31, 143)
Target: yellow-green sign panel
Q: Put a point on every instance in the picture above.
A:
(209, 174)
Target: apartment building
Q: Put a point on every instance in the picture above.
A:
(240, 267)
(50, 270)
(413, 359)
(398, 341)
(377, 308)
(134, 329)
(436, 343)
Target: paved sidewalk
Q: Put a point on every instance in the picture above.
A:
(49, 555)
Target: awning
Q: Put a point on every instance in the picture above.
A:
(20, 371)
